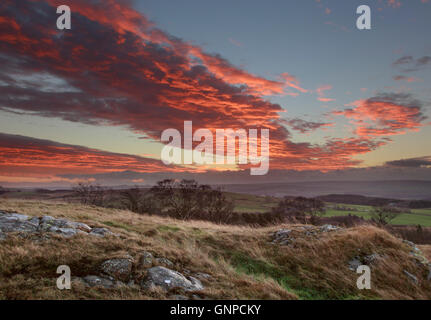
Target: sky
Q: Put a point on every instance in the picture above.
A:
(90, 103)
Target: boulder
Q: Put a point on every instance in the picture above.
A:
(167, 279)
(96, 281)
(120, 268)
(14, 222)
(203, 276)
(65, 232)
(164, 262)
(355, 263)
(100, 232)
(146, 259)
(328, 228)
(282, 236)
(78, 225)
(371, 259)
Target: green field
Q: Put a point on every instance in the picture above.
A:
(251, 203)
(256, 204)
(417, 216)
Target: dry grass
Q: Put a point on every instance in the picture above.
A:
(241, 260)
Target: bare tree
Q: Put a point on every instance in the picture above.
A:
(89, 193)
(299, 208)
(137, 200)
(384, 215)
(186, 199)
(216, 206)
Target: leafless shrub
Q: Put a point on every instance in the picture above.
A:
(300, 209)
(90, 194)
(186, 199)
(383, 215)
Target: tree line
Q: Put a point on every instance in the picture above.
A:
(187, 199)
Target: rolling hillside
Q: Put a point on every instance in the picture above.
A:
(231, 262)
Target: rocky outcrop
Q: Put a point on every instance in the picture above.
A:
(147, 260)
(361, 260)
(98, 281)
(288, 236)
(20, 223)
(167, 279)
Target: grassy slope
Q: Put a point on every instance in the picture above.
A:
(242, 262)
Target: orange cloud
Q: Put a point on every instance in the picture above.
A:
(385, 115)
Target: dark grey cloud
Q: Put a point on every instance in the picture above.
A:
(411, 64)
(411, 162)
(304, 126)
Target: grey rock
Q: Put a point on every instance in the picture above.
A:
(411, 277)
(371, 259)
(14, 222)
(46, 219)
(203, 276)
(16, 217)
(146, 259)
(355, 263)
(34, 221)
(282, 233)
(65, 232)
(78, 225)
(118, 268)
(165, 262)
(328, 228)
(16, 225)
(282, 236)
(167, 279)
(2, 236)
(100, 232)
(96, 281)
(178, 297)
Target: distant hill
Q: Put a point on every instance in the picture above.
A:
(403, 190)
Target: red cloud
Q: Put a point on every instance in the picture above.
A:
(20, 155)
(385, 115)
(321, 93)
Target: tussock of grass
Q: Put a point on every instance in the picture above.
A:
(241, 260)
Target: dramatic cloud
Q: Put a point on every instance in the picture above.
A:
(116, 68)
(385, 115)
(25, 157)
